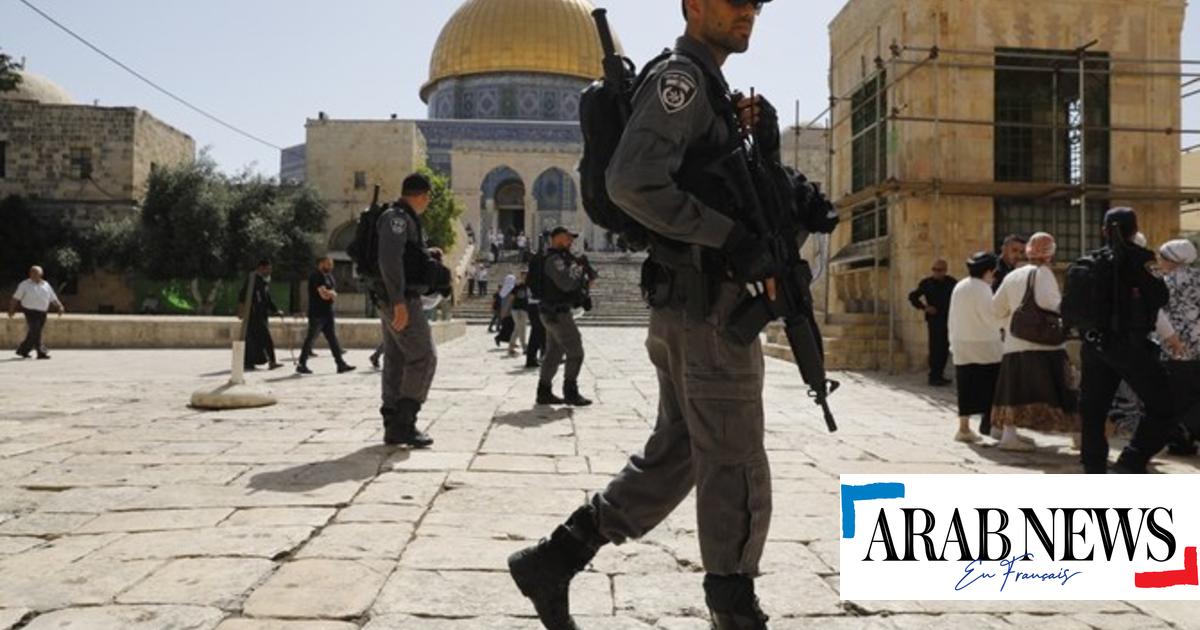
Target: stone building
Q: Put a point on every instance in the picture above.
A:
(957, 123)
(1191, 180)
(85, 162)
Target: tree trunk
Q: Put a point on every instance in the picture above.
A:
(205, 304)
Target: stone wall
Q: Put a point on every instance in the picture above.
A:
(924, 225)
(384, 151)
(155, 144)
(43, 140)
(131, 331)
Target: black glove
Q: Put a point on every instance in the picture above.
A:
(749, 257)
(767, 129)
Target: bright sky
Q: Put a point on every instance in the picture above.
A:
(267, 65)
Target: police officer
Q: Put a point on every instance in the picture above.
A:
(410, 359)
(709, 432)
(1124, 353)
(564, 286)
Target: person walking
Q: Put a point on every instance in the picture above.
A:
(34, 297)
(505, 311)
(410, 358)
(565, 279)
(260, 347)
(932, 296)
(481, 280)
(520, 306)
(709, 433)
(1035, 388)
(974, 333)
(322, 293)
(472, 276)
(1117, 348)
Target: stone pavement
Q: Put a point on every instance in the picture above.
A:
(122, 509)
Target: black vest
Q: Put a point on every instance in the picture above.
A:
(552, 294)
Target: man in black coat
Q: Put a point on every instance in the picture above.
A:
(260, 348)
(933, 297)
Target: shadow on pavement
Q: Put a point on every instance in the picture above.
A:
(217, 373)
(536, 417)
(360, 465)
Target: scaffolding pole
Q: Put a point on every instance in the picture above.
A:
(886, 190)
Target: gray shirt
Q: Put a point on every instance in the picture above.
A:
(671, 113)
(398, 231)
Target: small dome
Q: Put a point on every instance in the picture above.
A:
(38, 88)
(556, 37)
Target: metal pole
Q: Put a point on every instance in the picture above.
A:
(879, 127)
(1083, 175)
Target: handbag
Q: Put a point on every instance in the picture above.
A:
(1035, 324)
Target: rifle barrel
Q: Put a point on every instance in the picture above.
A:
(606, 39)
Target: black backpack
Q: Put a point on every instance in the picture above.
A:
(604, 110)
(364, 249)
(535, 275)
(1087, 304)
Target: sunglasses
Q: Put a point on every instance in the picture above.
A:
(757, 4)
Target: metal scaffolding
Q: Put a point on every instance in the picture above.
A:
(887, 190)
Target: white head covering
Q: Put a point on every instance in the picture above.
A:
(510, 283)
(1181, 251)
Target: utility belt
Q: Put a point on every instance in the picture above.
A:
(682, 277)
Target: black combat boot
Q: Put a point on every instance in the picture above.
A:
(545, 395)
(732, 604)
(571, 395)
(544, 572)
(400, 425)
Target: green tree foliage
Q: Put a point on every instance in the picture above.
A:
(32, 237)
(205, 228)
(443, 212)
(10, 79)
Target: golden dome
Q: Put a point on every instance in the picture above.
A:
(35, 87)
(540, 36)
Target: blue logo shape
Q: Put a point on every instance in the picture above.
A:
(869, 492)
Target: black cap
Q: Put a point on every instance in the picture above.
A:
(1123, 218)
(562, 230)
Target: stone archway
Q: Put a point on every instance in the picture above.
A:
(503, 204)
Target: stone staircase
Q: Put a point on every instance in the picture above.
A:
(853, 341)
(617, 296)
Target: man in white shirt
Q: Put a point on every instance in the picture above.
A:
(34, 296)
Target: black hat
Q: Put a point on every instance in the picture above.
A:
(986, 260)
(562, 230)
(1123, 218)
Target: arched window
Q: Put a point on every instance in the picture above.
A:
(555, 191)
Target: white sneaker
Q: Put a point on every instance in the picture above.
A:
(967, 437)
(1018, 445)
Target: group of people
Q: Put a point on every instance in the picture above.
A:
(1005, 328)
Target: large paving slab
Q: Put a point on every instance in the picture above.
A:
(121, 508)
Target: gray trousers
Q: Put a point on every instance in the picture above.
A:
(409, 357)
(709, 436)
(562, 342)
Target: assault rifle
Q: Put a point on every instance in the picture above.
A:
(770, 199)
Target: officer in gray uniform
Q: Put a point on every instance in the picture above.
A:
(565, 278)
(410, 359)
(709, 432)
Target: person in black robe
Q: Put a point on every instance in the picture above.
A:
(260, 348)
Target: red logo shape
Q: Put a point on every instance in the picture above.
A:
(1188, 576)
